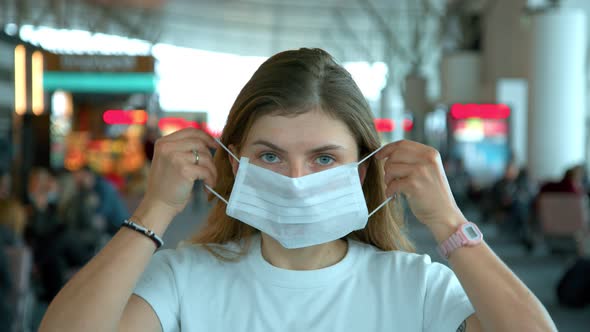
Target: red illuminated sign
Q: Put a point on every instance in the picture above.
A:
(388, 125)
(384, 125)
(120, 117)
(480, 111)
(177, 123)
(172, 124)
(408, 125)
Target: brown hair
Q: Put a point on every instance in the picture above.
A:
(13, 215)
(288, 84)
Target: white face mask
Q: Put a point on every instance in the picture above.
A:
(299, 212)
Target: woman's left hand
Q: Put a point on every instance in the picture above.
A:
(416, 170)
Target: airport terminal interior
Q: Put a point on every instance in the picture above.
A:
(88, 88)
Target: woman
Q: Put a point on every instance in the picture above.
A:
(300, 127)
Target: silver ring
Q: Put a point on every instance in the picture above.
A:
(196, 154)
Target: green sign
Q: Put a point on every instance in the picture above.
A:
(99, 82)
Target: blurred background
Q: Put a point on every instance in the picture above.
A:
(499, 87)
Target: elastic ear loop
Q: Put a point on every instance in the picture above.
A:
(388, 198)
(231, 154)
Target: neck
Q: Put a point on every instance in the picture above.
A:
(308, 258)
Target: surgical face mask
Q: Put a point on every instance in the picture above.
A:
(299, 212)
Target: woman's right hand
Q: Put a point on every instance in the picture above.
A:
(174, 168)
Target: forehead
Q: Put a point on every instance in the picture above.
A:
(309, 128)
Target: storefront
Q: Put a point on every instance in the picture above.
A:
(99, 111)
(479, 136)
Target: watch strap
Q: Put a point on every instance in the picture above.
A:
(455, 241)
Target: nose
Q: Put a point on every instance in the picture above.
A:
(297, 169)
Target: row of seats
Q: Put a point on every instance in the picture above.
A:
(565, 215)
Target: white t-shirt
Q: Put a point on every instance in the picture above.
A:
(369, 290)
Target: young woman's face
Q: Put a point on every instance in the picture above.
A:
(301, 145)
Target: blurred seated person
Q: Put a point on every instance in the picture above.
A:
(572, 182)
(110, 204)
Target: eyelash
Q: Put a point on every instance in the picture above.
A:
(316, 159)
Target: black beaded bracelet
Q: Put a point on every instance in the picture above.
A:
(147, 232)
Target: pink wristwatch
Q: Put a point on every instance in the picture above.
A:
(468, 235)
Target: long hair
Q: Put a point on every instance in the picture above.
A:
(288, 84)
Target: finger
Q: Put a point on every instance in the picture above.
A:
(389, 149)
(405, 145)
(184, 145)
(397, 170)
(182, 159)
(409, 152)
(196, 172)
(191, 133)
(404, 186)
(183, 133)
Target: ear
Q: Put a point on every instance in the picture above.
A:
(234, 163)
(362, 172)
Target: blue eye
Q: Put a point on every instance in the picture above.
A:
(325, 160)
(270, 158)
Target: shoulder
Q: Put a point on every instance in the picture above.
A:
(188, 254)
(401, 264)
(193, 258)
(180, 267)
(398, 257)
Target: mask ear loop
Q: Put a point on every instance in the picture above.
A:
(226, 149)
(388, 198)
(370, 155)
(231, 154)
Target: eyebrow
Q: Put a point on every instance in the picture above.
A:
(312, 151)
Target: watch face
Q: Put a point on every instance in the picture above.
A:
(471, 232)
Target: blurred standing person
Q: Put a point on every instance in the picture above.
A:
(5, 288)
(5, 184)
(43, 232)
(12, 224)
(459, 180)
(85, 230)
(42, 192)
(503, 193)
(526, 191)
(513, 195)
(110, 204)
